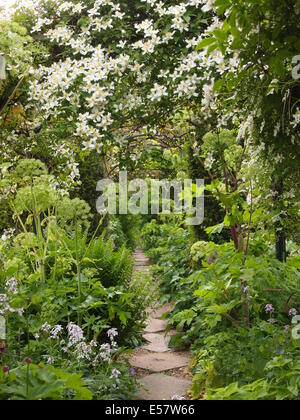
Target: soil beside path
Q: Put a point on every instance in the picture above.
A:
(163, 372)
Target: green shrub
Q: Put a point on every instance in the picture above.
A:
(232, 360)
(53, 278)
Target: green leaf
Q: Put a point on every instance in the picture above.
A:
(218, 85)
(215, 229)
(123, 317)
(204, 43)
(220, 35)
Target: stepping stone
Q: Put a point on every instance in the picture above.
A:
(157, 343)
(156, 325)
(161, 311)
(140, 269)
(160, 362)
(163, 387)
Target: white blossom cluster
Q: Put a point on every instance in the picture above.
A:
(77, 346)
(11, 289)
(100, 87)
(105, 85)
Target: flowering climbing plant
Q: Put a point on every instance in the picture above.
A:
(114, 70)
(120, 71)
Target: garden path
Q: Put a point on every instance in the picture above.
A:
(163, 373)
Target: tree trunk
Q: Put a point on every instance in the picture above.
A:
(280, 245)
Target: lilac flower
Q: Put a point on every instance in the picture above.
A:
(75, 334)
(115, 376)
(46, 328)
(133, 372)
(78, 345)
(293, 312)
(272, 321)
(12, 285)
(112, 333)
(94, 344)
(269, 308)
(105, 352)
(287, 328)
(55, 332)
(83, 351)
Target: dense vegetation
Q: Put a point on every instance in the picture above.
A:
(201, 89)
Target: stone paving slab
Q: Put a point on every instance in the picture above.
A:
(156, 325)
(156, 342)
(163, 387)
(155, 356)
(160, 362)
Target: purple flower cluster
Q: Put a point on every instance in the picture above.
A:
(269, 308)
(55, 332)
(46, 328)
(105, 352)
(293, 312)
(112, 333)
(76, 346)
(75, 334)
(12, 286)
